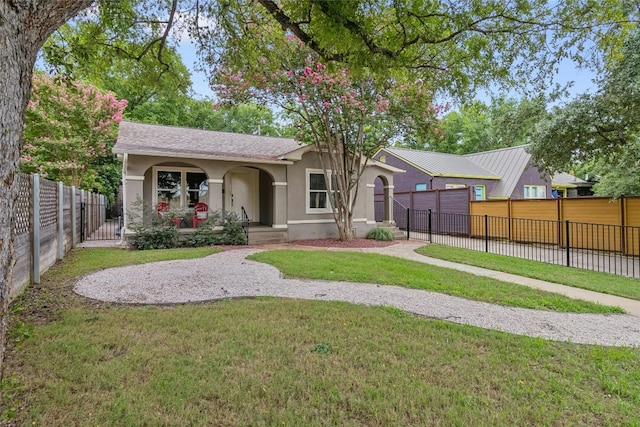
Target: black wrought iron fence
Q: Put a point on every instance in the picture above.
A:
(100, 219)
(599, 247)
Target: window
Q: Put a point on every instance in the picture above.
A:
(535, 192)
(180, 187)
(317, 192)
(479, 191)
(421, 186)
(454, 186)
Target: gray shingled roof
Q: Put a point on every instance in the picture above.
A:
(509, 163)
(146, 139)
(441, 164)
(563, 178)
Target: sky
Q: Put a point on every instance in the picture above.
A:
(583, 79)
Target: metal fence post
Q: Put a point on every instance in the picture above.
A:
(74, 214)
(486, 233)
(429, 227)
(60, 220)
(408, 222)
(36, 228)
(568, 244)
(82, 216)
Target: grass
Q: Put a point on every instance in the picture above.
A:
(270, 362)
(386, 270)
(283, 362)
(585, 279)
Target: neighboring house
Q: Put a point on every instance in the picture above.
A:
(506, 173)
(567, 185)
(277, 181)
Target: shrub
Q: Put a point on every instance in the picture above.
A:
(154, 236)
(153, 231)
(232, 232)
(206, 235)
(380, 233)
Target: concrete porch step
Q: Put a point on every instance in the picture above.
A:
(397, 233)
(266, 236)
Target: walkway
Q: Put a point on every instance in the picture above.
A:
(407, 250)
(229, 275)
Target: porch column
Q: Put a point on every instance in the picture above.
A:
(370, 208)
(215, 194)
(388, 204)
(280, 204)
(132, 191)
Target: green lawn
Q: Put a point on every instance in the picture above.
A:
(283, 362)
(585, 279)
(386, 270)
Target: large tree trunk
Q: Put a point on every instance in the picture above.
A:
(24, 27)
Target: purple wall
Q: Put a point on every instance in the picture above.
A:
(531, 176)
(407, 181)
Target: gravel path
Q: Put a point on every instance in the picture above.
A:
(228, 274)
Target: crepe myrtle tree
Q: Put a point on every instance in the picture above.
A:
(69, 129)
(347, 117)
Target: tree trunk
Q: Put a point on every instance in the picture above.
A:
(24, 27)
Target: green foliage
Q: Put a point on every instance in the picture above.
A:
(601, 128)
(206, 234)
(322, 348)
(478, 127)
(232, 232)
(9, 391)
(69, 131)
(380, 233)
(456, 47)
(158, 231)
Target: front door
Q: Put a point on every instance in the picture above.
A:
(241, 190)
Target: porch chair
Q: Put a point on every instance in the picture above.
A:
(200, 213)
(163, 209)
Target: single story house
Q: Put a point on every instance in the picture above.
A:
(566, 185)
(277, 181)
(507, 173)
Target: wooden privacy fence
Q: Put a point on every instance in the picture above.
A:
(47, 223)
(594, 223)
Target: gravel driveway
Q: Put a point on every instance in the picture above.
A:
(228, 274)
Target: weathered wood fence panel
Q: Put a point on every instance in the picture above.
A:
(46, 225)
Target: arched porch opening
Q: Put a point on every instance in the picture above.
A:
(250, 188)
(383, 200)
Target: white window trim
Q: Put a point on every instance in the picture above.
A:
(307, 196)
(183, 180)
(450, 186)
(538, 187)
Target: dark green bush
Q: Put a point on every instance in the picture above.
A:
(380, 233)
(232, 232)
(153, 231)
(154, 236)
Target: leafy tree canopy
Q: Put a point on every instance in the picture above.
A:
(476, 126)
(456, 46)
(69, 132)
(603, 128)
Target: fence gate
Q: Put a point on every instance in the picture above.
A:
(100, 219)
